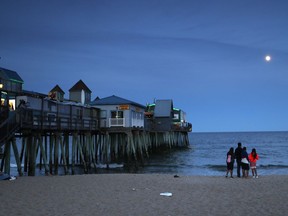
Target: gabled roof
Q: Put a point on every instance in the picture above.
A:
(80, 85)
(163, 108)
(10, 75)
(34, 94)
(114, 100)
(57, 89)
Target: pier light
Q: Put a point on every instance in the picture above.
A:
(1, 85)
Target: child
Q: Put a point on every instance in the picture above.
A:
(230, 162)
(253, 157)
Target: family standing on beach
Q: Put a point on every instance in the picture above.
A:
(243, 161)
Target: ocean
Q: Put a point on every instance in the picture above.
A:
(206, 155)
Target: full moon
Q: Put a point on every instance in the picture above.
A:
(268, 58)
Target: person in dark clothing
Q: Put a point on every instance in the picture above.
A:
(238, 157)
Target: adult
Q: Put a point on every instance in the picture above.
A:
(245, 163)
(238, 157)
(230, 162)
(253, 157)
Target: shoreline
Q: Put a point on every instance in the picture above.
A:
(139, 194)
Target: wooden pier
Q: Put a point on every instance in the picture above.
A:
(46, 132)
(48, 146)
(50, 150)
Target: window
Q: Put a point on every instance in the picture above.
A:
(117, 114)
(176, 116)
(87, 97)
(103, 114)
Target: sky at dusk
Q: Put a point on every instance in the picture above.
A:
(207, 56)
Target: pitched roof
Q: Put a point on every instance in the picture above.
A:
(10, 75)
(80, 85)
(163, 108)
(58, 89)
(33, 94)
(114, 100)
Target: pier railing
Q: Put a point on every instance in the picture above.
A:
(182, 127)
(116, 122)
(52, 121)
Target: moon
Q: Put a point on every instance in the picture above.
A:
(267, 58)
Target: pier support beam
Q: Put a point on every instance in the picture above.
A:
(58, 155)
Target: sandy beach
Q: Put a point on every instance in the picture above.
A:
(139, 194)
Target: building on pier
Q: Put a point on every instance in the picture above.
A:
(10, 86)
(80, 93)
(56, 93)
(163, 116)
(55, 130)
(119, 112)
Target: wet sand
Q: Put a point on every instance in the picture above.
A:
(139, 194)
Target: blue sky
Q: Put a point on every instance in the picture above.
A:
(208, 56)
